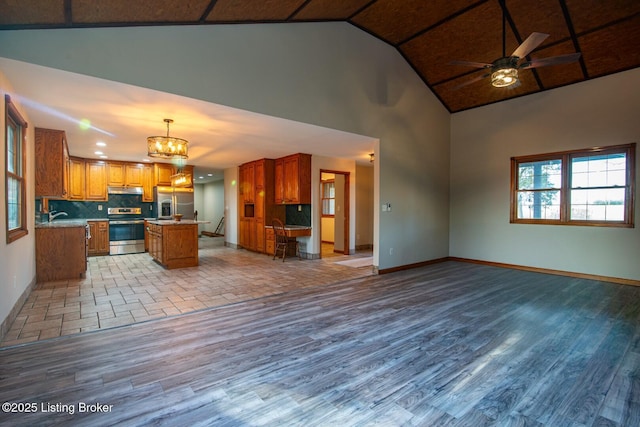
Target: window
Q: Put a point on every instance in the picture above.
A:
(582, 187)
(328, 198)
(14, 173)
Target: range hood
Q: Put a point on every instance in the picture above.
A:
(124, 190)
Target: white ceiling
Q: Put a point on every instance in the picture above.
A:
(123, 115)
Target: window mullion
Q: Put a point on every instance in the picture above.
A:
(565, 189)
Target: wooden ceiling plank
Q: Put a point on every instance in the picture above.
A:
(32, 12)
(589, 14)
(253, 10)
(611, 49)
(320, 10)
(398, 20)
(126, 11)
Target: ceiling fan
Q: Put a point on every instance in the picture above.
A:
(504, 71)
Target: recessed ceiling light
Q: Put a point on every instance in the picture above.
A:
(201, 177)
(209, 174)
(99, 152)
(146, 160)
(101, 144)
(104, 157)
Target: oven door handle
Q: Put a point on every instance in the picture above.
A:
(138, 221)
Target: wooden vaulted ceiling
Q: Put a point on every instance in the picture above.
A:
(428, 33)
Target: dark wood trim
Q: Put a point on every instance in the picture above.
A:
(565, 203)
(618, 280)
(410, 266)
(347, 207)
(11, 112)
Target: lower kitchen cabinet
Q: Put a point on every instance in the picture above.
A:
(61, 253)
(270, 241)
(98, 244)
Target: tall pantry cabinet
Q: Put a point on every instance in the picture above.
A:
(256, 202)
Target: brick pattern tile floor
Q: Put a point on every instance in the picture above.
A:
(126, 289)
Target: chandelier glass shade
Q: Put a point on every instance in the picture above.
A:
(181, 179)
(167, 147)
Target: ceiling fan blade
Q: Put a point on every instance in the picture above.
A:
(471, 64)
(471, 81)
(532, 42)
(554, 60)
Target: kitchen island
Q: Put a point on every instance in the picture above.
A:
(61, 250)
(174, 244)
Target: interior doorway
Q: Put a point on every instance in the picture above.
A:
(334, 213)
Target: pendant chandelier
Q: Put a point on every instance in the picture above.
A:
(167, 147)
(181, 179)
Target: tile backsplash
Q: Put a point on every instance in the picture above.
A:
(298, 217)
(91, 210)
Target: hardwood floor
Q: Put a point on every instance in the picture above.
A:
(450, 344)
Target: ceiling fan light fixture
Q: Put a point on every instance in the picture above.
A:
(167, 147)
(504, 77)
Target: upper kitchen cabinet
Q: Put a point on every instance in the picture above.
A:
(247, 182)
(96, 174)
(122, 174)
(52, 164)
(133, 175)
(76, 178)
(147, 183)
(293, 179)
(162, 173)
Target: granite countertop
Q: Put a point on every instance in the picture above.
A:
(292, 227)
(61, 223)
(174, 222)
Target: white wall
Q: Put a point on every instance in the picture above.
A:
(598, 112)
(327, 74)
(209, 202)
(231, 201)
(17, 259)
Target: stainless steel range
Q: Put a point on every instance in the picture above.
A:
(126, 231)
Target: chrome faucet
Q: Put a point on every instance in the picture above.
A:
(54, 214)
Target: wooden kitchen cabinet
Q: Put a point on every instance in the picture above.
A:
(61, 253)
(96, 180)
(174, 245)
(115, 174)
(76, 178)
(98, 244)
(270, 240)
(133, 174)
(147, 183)
(293, 179)
(256, 202)
(247, 182)
(123, 174)
(162, 174)
(51, 164)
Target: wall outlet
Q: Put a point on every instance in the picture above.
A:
(390, 251)
(99, 207)
(299, 208)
